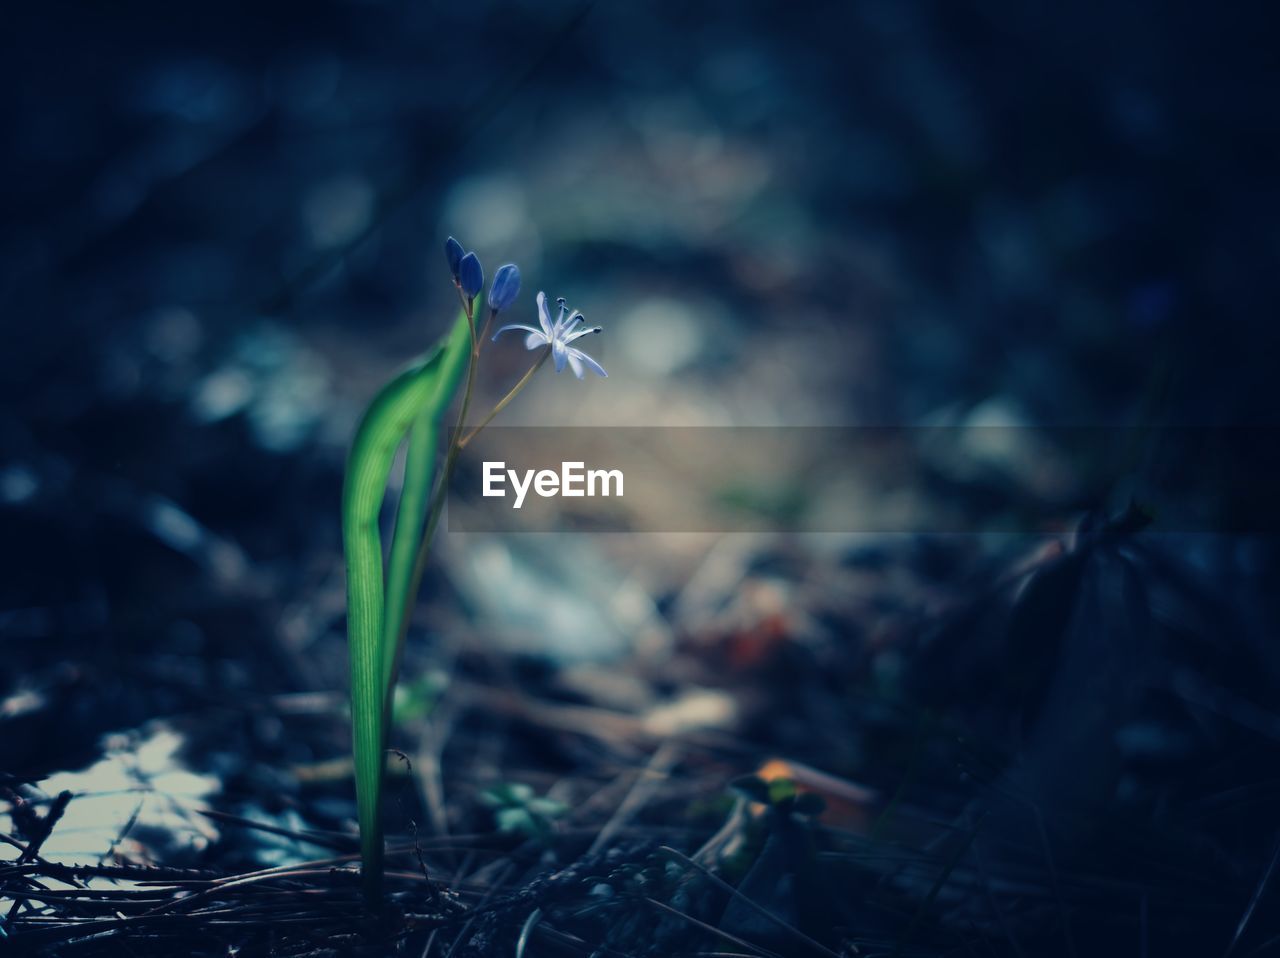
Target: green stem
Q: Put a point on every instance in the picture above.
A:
(502, 403)
(395, 649)
(442, 489)
(420, 462)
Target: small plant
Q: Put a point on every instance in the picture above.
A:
(410, 408)
(517, 809)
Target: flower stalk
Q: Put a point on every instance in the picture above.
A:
(505, 400)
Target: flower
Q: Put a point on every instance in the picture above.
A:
(470, 275)
(558, 336)
(453, 252)
(505, 286)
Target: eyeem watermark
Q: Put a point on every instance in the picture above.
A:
(861, 479)
(574, 480)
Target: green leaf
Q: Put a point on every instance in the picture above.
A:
(415, 494)
(389, 417)
(517, 808)
(416, 700)
(781, 789)
(515, 819)
(507, 793)
(546, 807)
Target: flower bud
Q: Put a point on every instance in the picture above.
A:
(453, 253)
(505, 286)
(470, 275)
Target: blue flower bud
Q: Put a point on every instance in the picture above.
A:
(505, 286)
(471, 275)
(453, 253)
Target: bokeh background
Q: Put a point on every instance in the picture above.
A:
(223, 228)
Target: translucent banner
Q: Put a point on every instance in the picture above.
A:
(883, 479)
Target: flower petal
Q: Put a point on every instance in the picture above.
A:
(505, 287)
(544, 317)
(471, 275)
(534, 340)
(594, 366)
(559, 353)
(575, 361)
(453, 252)
(527, 329)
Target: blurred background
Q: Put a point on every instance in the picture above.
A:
(223, 229)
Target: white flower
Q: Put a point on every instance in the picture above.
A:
(558, 336)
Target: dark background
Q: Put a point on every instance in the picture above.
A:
(222, 229)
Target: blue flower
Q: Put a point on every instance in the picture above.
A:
(505, 286)
(558, 336)
(453, 252)
(470, 275)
